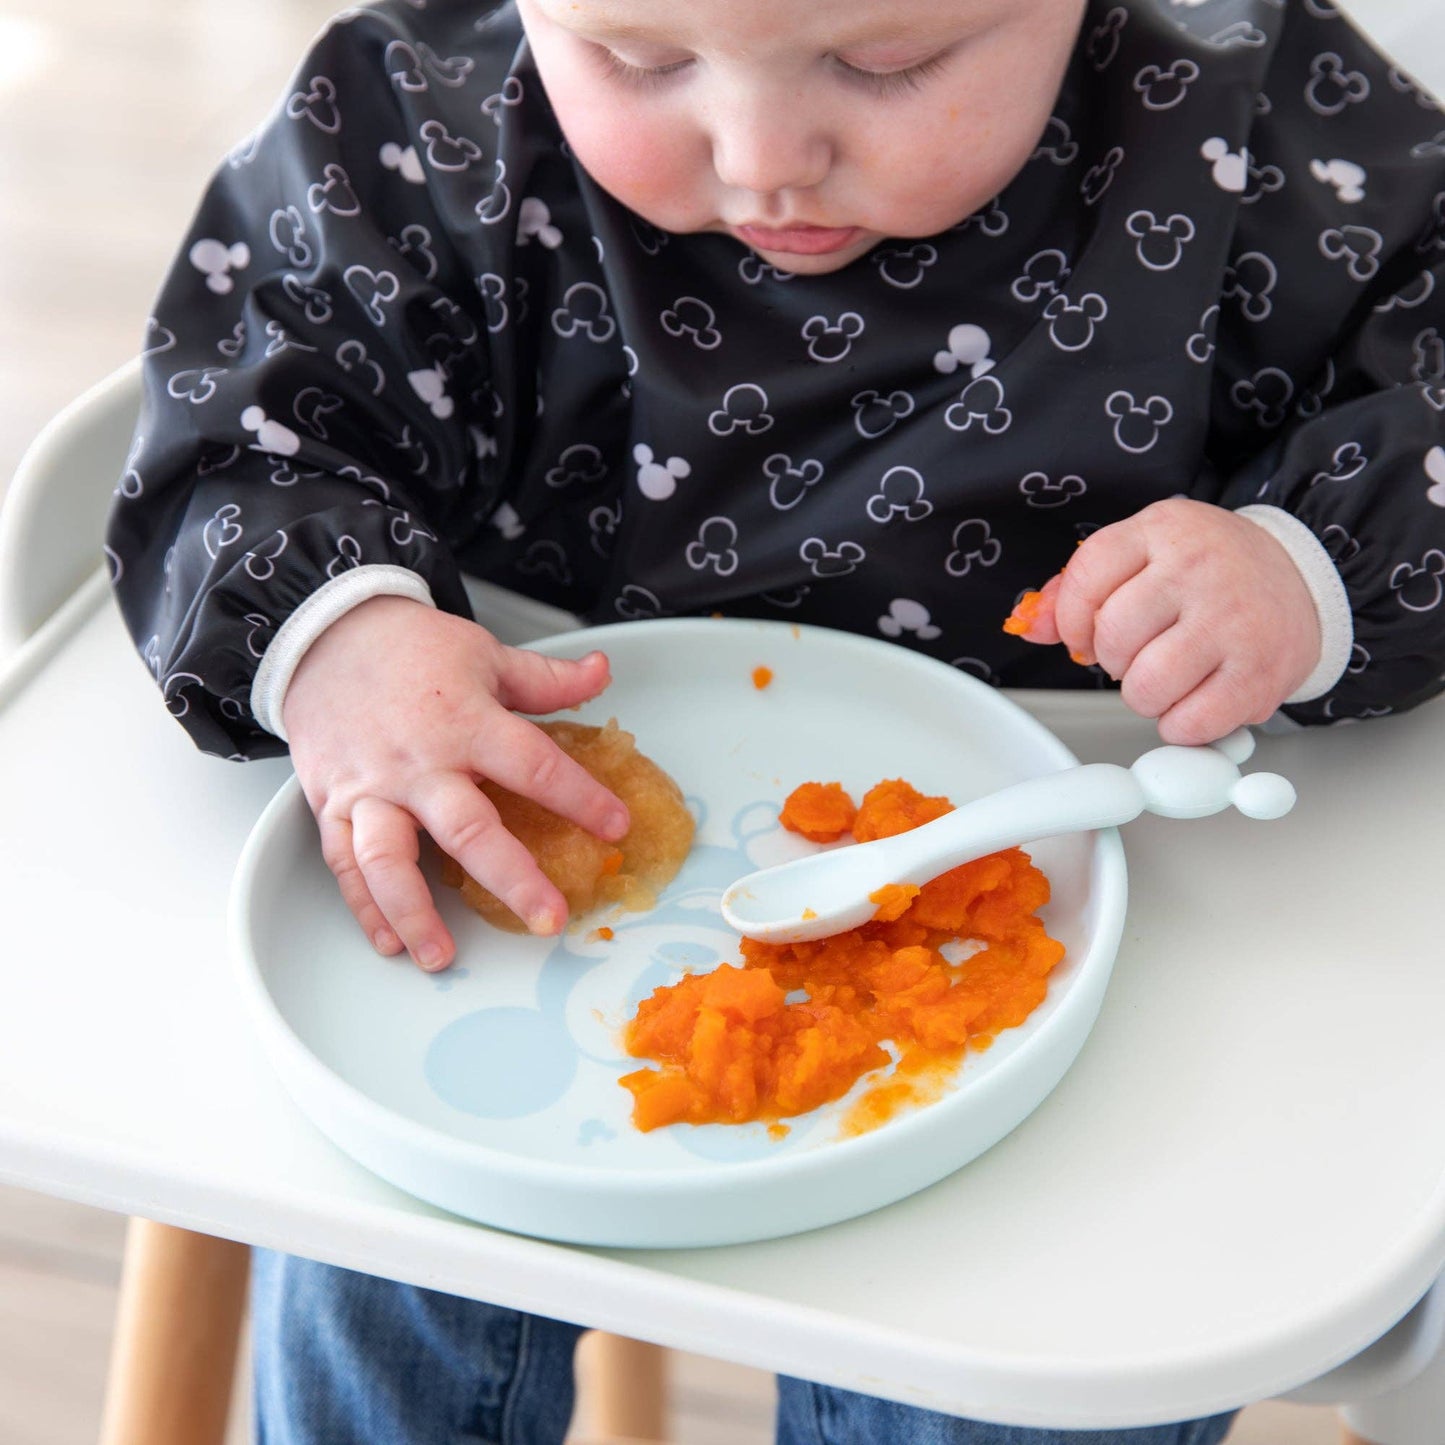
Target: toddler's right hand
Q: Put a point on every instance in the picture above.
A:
(394, 713)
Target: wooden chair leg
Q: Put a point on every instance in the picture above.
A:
(622, 1388)
(178, 1326)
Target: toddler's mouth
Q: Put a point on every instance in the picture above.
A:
(799, 240)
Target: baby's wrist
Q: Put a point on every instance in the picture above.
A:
(325, 607)
(1327, 592)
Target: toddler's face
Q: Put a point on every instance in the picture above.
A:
(810, 130)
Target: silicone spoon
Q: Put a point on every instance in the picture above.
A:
(828, 892)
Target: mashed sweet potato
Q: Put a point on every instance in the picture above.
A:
(793, 1026)
(590, 873)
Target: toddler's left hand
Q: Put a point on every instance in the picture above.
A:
(1200, 615)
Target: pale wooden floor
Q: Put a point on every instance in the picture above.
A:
(111, 117)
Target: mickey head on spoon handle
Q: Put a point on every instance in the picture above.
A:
(829, 892)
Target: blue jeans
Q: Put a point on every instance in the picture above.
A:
(345, 1359)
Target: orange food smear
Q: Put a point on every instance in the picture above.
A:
(1026, 612)
(762, 676)
(605, 934)
(793, 1026)
(821, 812)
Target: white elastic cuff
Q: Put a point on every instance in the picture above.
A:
(330, 601)
(1332, 604)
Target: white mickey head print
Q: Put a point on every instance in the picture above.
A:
(1341, 548)
(744, 408)
(969, 346)
(546, 559)
(1251, 281)
(1164, 88)
(1200, 346)
(311, 408)
(506, 521)
(351, 356)
(899, 494)
(789, 483)
(261, 562)
(1098, 178)
(906, 615)
(649, 238)
(1102, 44)
(603, 522)
(1312, 403)
(1158, 244)
(1347, 178)
(412, 449)
(256, 640)
(1416, 293)
(1420, 589)
(1331, 87)
(413, 70)
(430, 384)
(981, 401)
(215, 261)
(405, 161)
(317, 105)
(534, 223)
(333, 193)
(1435, 470)
(694, 319)
(1406, 84)
(1240, 33)
(788, 597)
(830, 341)
(511, 94)
(196, 386)
(714, 549)
(492, 288)
(635, 603)
(415, 244)
(314, 303)
(1072, 324)
(657, 481)
(991, 220)
(1358, 247)
(580, 464)
(973, 541)
(905, 266)
(1428, 352)
(583, 312)
(448, 152)
(826, 561)
(222, 530)
(175, 692)
(1347, 463)
(1268, 394)
(271, 436)
(1041, 490)
(288, 236)
(495, 205)
(1044, 274)
(285, 474)
(1057, 145)
(754, 270)
(1430, 149)
(874, 415)
(374, 289)
(244, 151)
(217, 461)
(281, 340)
(158, 338)
(1434, 397)
(484, 444)
(130, 485)
(1236, 172)
(1136, 426)
(348, 555)
(401, 525)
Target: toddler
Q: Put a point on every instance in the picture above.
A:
(867, 313)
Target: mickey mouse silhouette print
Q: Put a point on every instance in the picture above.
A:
(410, 337)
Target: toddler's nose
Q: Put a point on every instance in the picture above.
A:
(759, 146)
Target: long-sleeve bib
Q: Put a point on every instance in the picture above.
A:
(409, 338)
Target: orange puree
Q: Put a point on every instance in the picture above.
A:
(762, 676)
(821, 812)
(731, 1046)
(1026, 612)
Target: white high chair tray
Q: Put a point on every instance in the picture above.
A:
(492, 1089)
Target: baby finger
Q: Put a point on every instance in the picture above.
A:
(1131, 617)
(1167, 669)
(385, 841)
(336, 848)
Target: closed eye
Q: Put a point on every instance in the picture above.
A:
(889, 83)
(614, 67)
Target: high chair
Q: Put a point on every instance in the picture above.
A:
(182, 1296)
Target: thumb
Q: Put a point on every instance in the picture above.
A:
(529, 682)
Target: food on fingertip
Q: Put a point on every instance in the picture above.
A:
(1020, 622)
(795, 1026)
(590, 873)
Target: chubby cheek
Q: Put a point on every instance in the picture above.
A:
(656, 170)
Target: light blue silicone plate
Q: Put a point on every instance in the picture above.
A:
(491, 1089)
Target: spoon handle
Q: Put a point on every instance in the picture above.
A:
(1093, 795)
